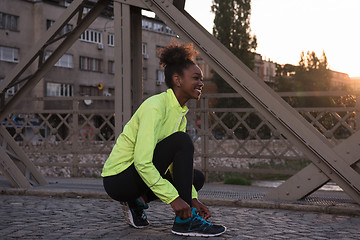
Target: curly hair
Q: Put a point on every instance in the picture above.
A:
(175, 58)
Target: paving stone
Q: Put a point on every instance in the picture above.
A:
(30, 217)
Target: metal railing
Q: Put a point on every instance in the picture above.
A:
(239, 139)
(76, 134)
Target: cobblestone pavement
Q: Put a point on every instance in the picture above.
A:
(30, 217)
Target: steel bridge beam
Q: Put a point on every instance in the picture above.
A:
(328, 161)
(311, 178)
(128, 58)
(14, 163)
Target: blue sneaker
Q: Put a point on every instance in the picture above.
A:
(196, 226)
(134, 213)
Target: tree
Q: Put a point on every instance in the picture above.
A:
(284, 77)
(313, 73)
(232, 28)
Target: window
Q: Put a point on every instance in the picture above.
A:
(65, 61)
(65, 29)
(67, 4)
(111, 67)
(169, 31)
(111, 40)
(145, 73)
(90, 64)
(90, 91)
(158, 27)
(146, 24)
(9, 22)
(91, 36)
(111, 91)
(158, 49)
(160, 77)
(144, 48)
(8, 54)
(59, 90)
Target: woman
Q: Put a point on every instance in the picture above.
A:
(153, 156)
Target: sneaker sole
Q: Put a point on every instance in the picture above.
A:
(128, 215)
(195, 234)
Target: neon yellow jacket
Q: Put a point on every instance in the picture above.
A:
(157, 118)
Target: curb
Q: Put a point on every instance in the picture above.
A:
(52, 193)
(349, 209)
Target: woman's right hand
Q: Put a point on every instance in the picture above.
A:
(181, 208)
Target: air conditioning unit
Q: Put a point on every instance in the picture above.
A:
(100, 46)
(146, 56)
(11, 91)
(87, 102)
(86, 10)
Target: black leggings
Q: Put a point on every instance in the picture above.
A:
(177, 149)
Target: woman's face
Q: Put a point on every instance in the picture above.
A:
(191, 82)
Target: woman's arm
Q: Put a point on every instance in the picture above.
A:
(181, 208)
(149, 125)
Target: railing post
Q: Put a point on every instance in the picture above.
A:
(204, 137)
(75, 139)
(357, 111)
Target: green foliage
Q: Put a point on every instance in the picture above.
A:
(312, 74)
(232, 28)
(237, 181)
(279, 164)
(220, 177)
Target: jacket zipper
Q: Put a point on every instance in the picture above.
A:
(180, 120)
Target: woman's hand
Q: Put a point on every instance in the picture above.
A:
(203, 210)
(181, 208)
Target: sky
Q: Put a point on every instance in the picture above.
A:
(285, 28)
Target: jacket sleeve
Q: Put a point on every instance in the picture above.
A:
(148, 130)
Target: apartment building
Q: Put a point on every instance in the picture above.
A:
(155, 35)
(87, 68)
(264, 69)
(339, 80)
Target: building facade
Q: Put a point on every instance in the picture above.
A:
(87, 68)
(155, 36)
(339, 81)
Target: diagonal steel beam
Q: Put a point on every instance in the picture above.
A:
(34, 52)
(14, 75)
(16, 166)
(282, 116)
(311, 178)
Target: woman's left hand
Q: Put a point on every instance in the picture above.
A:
(203, 210)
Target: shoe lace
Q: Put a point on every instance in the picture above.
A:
(198, 218)
(139, 212)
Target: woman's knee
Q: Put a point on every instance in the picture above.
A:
(183, 139)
